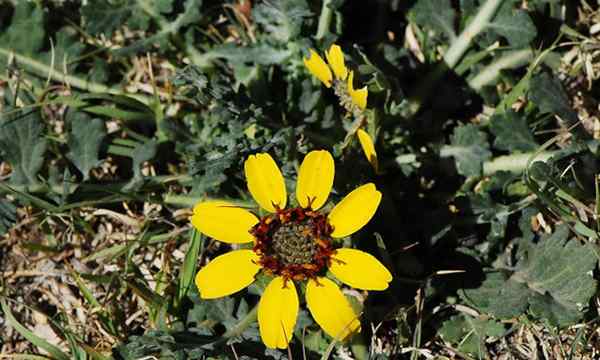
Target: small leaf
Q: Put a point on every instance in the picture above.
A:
(22, 143)
(470, 149)
(438, 15)
(84, 141)
(512, 132)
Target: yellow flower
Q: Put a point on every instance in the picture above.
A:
(335, 57)
(292, 245)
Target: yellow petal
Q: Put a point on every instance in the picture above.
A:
(359, 97)
(227, 274)
(360, 270)
(330, 308)
(368, 148)
(265, 182)
(315, 179)
(224, 221)
(317, 66)
(354, 211)
(335, 58)
(277, 313)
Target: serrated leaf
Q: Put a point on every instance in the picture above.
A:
(470, 333)
(553, 281)
(281, 19)
(547, 92)
(22, 143)
(26, 33)
(514, 25)
(437, 15)
(512, 132)
(470, 149)
(85, 139)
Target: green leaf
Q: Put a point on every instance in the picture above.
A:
(26, 33)
(8, 215)
(470, 149)
(22, 143)
(282, 20)
(437, 15)
(106, 16)
(84, 141)
(188, 270)
(469, 333)
(514, 25)
(547, 92)
(512, 132)
(553, 281)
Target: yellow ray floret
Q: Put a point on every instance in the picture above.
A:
(277, 313)
(265, 182)
(359, 97)
(317, 66)
(360, 270)
(335, 58)
(330, 308)
(315, 179)
(354, 211)
(368, 148)
(224, 221)
(227, 274)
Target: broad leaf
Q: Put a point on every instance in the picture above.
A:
(512, 132)
(547, 92)
(470, 149)
(22, 144)
(8, 215)
(437, 15)
(514, 25)
(553, 281)
(84, 141)
(25, 35)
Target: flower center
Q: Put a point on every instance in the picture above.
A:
(294, 243)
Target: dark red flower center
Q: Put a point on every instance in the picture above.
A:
(294, 243)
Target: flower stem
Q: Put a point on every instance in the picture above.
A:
(324, 20)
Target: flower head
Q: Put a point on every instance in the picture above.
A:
(355, 101)
(292, 245)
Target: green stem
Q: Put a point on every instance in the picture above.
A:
(490, 73)
(455, 52)
(44, 70)
(324, 20)
(515, 163)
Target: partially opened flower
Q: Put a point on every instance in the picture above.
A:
(292, 245)
(354, 101)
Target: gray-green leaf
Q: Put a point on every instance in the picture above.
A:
(22, 144)
(470, 149)
(553, 281)
(512, 132)
(84, 141)
(435, 14)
